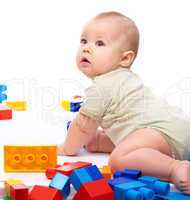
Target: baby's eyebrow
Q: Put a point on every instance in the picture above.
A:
(103, 38)
(99, 37)
(83, 36)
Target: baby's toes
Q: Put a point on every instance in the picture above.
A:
(185, 187)
(186, 191)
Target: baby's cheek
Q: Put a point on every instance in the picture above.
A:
(78, 55)
(77, 59)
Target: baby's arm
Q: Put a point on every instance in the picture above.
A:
(80, 132)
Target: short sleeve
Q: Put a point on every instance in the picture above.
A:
(95, 102)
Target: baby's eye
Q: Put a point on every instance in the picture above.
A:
(100, 43)
(83, 41)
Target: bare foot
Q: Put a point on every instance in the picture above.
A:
(180, 175)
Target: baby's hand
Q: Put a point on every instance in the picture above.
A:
(61, 150)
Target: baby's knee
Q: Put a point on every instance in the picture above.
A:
(115, 162)
(117, 159)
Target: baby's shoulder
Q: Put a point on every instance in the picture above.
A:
(117, 79)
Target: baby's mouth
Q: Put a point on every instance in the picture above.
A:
(85, 60)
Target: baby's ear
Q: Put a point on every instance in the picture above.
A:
(127, 58)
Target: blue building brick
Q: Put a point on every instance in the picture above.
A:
(68, 124)
(132, 173)
(133, 190)
(3, 96)
(128, 173)
(117, 181)
(62, 183)
(159, 187)
(3, 88)
(75, 106)
(173, 196)
(78, 177)
(94, 172)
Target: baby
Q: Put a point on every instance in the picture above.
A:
(120, 115)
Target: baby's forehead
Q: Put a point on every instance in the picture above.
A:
(104, 27)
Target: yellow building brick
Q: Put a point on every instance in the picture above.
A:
(66, 105)
(17, 105)
(106, 171)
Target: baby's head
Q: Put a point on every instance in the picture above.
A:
(110, 40)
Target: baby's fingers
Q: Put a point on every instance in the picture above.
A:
(60, 150)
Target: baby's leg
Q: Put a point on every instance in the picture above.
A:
(147, 150)
(100, 143)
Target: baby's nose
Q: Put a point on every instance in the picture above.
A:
(87, 49)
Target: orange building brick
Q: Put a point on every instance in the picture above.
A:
(29, 158)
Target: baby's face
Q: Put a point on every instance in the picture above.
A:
(101, 47)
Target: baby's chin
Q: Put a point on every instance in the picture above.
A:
(87, 71)
(90, 71)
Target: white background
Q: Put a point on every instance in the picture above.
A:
(39, 39)
(38, 43)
